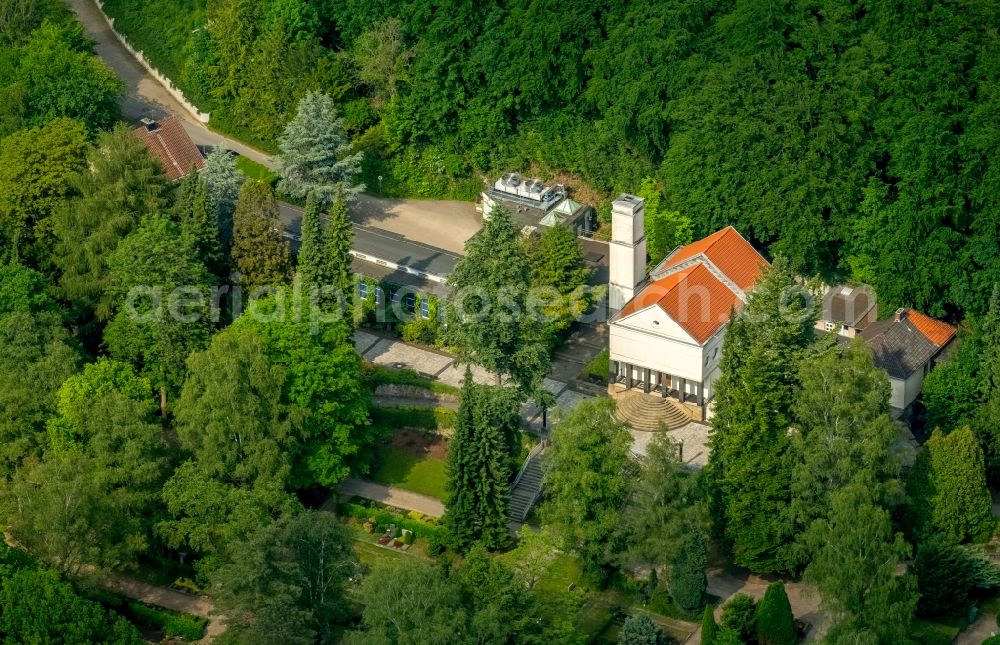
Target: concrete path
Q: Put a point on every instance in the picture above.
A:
(168, 598)
(984, 627)
(392, 496)
(144, 96)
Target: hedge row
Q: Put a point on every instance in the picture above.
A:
(409, 417)
(173, 623)
(383, 518)
(380, 374)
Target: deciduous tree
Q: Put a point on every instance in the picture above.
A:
(855, 569)
(35, 167)
(842, 433)
(284, 583)
(120, 186)
(160, 294)
(67, 618)
(230, 419)
(382, 58)
(587, 482)
(322, 390)
(425, 606)
(36, 356)
(62, 78)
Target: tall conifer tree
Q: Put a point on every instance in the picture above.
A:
(748, 465)
(311, 257)
(479, 467)
(260, 252)
(339, 236)
(199, 222)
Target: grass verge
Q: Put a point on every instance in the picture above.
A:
(255, 171)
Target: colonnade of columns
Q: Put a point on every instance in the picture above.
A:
(651, 380)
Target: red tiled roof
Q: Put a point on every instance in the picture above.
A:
(936, 331)
(729, 252)
(170, 144)
(693, 298)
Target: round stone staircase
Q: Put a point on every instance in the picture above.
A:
(649, 412)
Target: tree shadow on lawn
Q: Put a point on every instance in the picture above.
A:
(413, 461)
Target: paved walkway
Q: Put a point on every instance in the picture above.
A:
(168, 598)
(984, 627)
(392, 496)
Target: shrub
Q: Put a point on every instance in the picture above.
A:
(775, 623)
(944, 578)
(445, 417)
(640, 630)
(437, 543)
(379, 375)
(740, 615)
(186, 584)
(598, 368)
(992, 640)
(727, 637)
(422, 330)
(708, 627)
(687, 571)
(173, 623)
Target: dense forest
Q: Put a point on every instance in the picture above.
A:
(855, 138)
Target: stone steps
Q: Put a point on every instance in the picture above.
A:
(526, 492)
(649, 412)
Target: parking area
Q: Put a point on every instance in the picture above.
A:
(440, 223)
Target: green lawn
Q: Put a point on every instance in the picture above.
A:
(404, 469)
(934, 633)
(253, 170)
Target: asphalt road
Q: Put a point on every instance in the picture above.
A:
(382, 244)
(144, 96)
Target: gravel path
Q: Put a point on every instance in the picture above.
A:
(393, 496)
(168, 598)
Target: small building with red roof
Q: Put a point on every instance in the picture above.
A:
(666, 329)
(171, 146)
(907, 346)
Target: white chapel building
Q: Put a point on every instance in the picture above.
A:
(666, 329)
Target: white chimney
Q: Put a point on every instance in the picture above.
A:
(627, 250)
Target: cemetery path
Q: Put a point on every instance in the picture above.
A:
(392, 496)
(169, 599)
